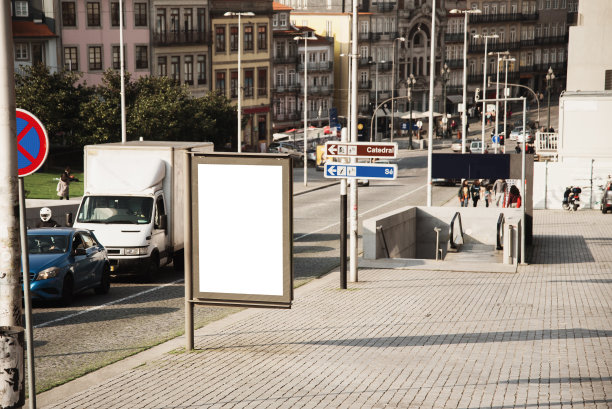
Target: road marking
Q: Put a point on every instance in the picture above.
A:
(44, 324)
(361, 214)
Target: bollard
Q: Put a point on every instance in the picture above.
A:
(68, 219)
(437, 230)
(12, 374)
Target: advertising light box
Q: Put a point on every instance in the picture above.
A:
(242, 230)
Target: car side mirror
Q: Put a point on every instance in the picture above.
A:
(163, 222)
(80, 251)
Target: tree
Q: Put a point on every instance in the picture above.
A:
(215, 110)
(55, 98)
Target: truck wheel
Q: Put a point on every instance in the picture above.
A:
(152, 268)
(604, 209)
(178, 260)
(104, 286)
(67, 291)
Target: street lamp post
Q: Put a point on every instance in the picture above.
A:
(463, 113)
(239, 14)
(484, 84)
(445, 74)
(393, 86)
(305, 105)
(496, 129)
(410, 83)
(550, 77)
(376, 98)
(506, 59)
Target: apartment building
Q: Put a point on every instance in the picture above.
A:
(34, 36)
(181, 43)
(90, 37)
(255, 58)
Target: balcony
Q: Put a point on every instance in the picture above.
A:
(179, 38)
(279, 89)
(497, 18)
(286, 59)
(454, 37)
(457, 63)
(572, 18)
(384, 66)
(364, 110)
(363, 61)
(317, 66)
(364, 85)
(385, 7)
(320, 90)
(562, 39)
(475, 48)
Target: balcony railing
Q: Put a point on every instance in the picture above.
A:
(319, 90)
(493, 46)
(317, 66)
(363, 61)
(180, 37)
(544, 40)
(499, 17)
(454, 37)
(384, 66)
(364, 109)
(286, 88)
(286, 59)
(383, 7)
(365, 85)
(457, 63)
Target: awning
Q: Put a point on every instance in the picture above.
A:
(455, 99)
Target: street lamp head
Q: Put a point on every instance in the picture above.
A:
(401, 38)
(239, 13)
(474, 11)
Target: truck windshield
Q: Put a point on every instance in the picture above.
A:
(116, 210)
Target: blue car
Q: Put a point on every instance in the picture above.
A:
(65, 261)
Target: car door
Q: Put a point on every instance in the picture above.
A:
(95, 259)
(160, 232)
(81, 266)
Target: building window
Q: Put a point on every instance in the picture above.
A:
(71, 62)
(142, 57)
(261, 125)
(69, 14)
(280, 79)
(114, 7)
(220, 82)
(220, 39)
(283, 20)
(95, 58)
(175, 26)
(175, 69)
(201, 21)
(275, 20)
(21, 8)
(21, 51)
(291, 78)
(248, 38)
(234, 84)
(262, 82)
(233, 38)
(93, 14)
(248, 83)
(116, 60)
(608, 80)
(162, 66)
(140, 14)
(201, 69)
(188, 69)
(262, 37)
(160, 22)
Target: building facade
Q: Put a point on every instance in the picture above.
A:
(90, 37)
(181, 43)
(255, 58)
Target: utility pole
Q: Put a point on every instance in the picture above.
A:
(12, 378)
(353, 138)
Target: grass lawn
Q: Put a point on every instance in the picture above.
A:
(42, 185)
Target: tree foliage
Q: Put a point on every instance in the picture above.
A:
(156, 109)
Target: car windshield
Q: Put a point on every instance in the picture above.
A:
(116, 210)
(47, 243)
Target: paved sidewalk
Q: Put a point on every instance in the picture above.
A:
(398, 338)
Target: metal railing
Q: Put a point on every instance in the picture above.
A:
(454, 37)
(500, 232)
(180, 37)
(453, 239)
(546, 143)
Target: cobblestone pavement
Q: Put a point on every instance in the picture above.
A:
(406, 339)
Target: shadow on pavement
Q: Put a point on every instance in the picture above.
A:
(560, 250)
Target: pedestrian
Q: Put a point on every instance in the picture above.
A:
(514, 198)
(475, 192)
(464, 194)
(487, 195)
(45, 218)
(517, 148)
(499, 189)
(63, 186)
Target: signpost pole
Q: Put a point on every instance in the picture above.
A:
(189, 330)
(343, 226)
(11, 332)
(353, 199)
(25, 263)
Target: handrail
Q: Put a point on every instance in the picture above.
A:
(382, 233)
(452, 227)
(500, 231)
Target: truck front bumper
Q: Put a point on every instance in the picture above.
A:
(119, 265)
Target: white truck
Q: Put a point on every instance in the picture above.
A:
(133, 202)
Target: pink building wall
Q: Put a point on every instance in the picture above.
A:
(82, 36)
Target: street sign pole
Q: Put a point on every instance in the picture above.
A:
(343, 226)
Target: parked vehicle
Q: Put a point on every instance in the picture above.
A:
(606, 198)
(65, 261)
(517, 134)
(282, 147)
(571, 198)
(476, 147)
(133, 200)
(457, 145)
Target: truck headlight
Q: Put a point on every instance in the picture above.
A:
(136, 251)
(50, 272)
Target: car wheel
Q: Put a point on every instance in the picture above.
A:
(604, 209)
(152, 268)
(67, 290)
(104, 286)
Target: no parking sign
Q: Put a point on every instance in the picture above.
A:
(32, 143)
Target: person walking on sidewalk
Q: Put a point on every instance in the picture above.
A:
(499, 189)
(464, 194)
(475, 191)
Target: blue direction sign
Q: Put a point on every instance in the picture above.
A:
(335, 170)
(32, 143)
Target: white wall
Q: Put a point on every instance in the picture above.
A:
(551, 178)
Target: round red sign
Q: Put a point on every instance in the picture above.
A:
(32, 143)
